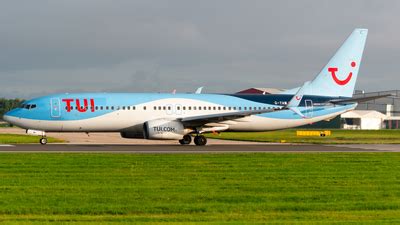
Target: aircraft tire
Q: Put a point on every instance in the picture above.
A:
(43, 141)
(186, 140)
(200, 140)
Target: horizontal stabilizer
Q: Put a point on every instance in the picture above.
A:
(359, 99)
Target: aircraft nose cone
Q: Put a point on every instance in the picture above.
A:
(9, 118)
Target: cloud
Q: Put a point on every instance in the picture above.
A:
(99, 45)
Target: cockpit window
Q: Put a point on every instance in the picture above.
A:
(28, 106)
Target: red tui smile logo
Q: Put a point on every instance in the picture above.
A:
(333, 71)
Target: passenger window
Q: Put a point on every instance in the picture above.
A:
(224, 108)
(155, 107)
(112, 107)
(106, 107)
(229, 108)
(214, 108)
(159, 107)
(184, 107)
(101, 107)
(234, 108)
(128, 108)
(133, 107)
(205, 108)
(240, 108)
(190, 107)
(144, 107)
(164, 108)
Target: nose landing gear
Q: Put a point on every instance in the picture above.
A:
(43, 140)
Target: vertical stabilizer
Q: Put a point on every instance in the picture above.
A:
(338, 77)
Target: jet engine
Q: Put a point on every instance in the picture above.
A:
(164, 129)
(132, 134)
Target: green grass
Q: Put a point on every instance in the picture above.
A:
(200, 188)
(337, 137)
(23, 139)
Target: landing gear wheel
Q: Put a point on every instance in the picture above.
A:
(43, 141)
(187, 139)
(200, 140)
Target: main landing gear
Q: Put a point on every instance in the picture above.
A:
(199, 140)
(186, 140)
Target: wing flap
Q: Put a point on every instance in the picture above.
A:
(220, 117)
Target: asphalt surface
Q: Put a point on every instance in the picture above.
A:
(168, 149)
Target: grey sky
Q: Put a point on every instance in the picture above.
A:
(150, 46)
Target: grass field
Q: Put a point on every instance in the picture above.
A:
(200, 188)
(23, 139)
(337, 137)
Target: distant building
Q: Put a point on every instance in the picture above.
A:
(261, 91)
(363, 120)
(390, 106)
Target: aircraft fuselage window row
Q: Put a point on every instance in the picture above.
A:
(160, 108)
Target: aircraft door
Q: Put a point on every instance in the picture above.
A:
(55, 107)
(309, 108)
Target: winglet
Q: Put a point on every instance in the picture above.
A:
(198, 91)
(295, 101)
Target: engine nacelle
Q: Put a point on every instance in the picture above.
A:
(132, 134)
(163, 129)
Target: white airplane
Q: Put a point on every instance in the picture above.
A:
(183, 116)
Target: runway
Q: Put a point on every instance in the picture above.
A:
(191, 149)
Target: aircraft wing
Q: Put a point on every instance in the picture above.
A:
(359, 99)
(219, 117)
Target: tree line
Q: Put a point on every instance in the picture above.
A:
(8, 104)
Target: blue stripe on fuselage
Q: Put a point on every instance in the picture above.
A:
(42, 112)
